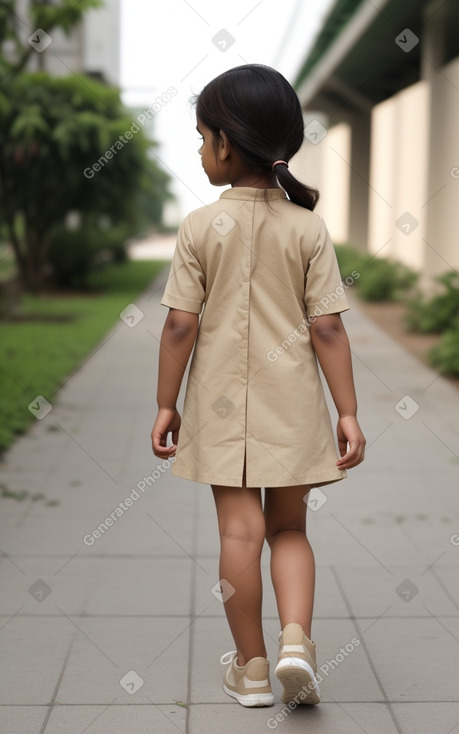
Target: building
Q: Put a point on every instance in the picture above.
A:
(92, 48)
(380, 91)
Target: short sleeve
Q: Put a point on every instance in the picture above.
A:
(186, 284)
(324, 291)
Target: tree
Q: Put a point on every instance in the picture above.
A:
(67, 144)
(45, 14)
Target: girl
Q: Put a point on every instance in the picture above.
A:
(255, 413)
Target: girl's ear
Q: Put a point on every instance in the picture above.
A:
(224, 146)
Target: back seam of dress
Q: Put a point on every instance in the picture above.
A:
(248, 342)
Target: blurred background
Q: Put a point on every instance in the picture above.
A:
(99, 158)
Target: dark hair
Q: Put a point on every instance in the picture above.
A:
(261, 114)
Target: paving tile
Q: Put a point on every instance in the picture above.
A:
(415, 659)
(21, 581)
(44, 535)
(404, 592)
(23, 719)
(448, 575)
(207, 540)
(328, 600)
(339, 538)
(427, 718)
(116, 719)
(23, 485)
(107, 648)
(146, 527)
(150, 587)
(327, 718)
(98, 586)
(339, 534)
(28, 647)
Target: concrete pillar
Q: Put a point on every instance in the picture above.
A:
(441, 250)
(360, 123)
(440, 240)
(433, 39)
(325, 166)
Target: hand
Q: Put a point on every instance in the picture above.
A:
(167, 421)
(349, 431)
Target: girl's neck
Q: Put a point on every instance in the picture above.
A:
(256, 180)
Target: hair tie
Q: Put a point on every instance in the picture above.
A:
(278, 163)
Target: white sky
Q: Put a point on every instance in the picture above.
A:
(169, 43)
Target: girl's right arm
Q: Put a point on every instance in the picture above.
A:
(177, 341)
(331, 345)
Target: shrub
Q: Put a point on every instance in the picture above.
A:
(439, 312)
(380, 279)
(383, 280)
(75, 253)
(349, 259)
(445, 356)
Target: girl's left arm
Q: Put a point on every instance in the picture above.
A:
(331, 345)
(177, 340)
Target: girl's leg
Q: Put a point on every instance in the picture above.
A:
(242, 532)
(292, 559)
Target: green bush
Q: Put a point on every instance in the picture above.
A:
(349, 259)
(439, 312)
(445, 356)
(113, 241)
(383, 280)
(74, 254)
(379, 279)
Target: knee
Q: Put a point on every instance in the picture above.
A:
(240, 531)
(272, 534)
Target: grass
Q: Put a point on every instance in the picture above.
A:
(55, 334)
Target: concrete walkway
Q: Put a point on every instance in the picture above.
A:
(117, 630)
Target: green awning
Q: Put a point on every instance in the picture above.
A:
(376, 66)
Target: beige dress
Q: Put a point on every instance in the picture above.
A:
(263, 269)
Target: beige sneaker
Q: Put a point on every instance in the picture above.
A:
(296, 668)
(248, 684)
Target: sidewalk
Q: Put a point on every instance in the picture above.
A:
(117, 631)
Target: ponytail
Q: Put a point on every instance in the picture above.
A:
(296, 191)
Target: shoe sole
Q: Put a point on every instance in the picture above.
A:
(297, 676)
(251, 699)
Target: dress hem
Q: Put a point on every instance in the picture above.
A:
(318, 481)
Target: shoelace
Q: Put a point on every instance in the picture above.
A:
(229, 655)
